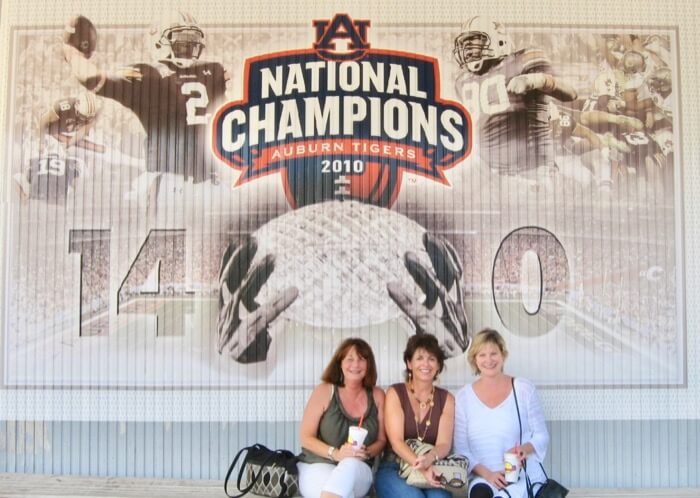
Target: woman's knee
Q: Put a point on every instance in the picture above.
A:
(351, 477)
(354, 465)
(312, 478)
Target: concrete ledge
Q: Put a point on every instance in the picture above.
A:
(47, 486)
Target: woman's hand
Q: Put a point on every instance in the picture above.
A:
(497, 479)
(350, 451)
(423, 462)
(432, 476)
(523, 451)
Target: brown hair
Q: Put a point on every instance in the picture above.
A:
(427, 342)
(333, 374)
(486, 336)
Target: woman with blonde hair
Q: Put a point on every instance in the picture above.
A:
(488, 424)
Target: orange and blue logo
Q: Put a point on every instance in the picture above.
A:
(342, 123)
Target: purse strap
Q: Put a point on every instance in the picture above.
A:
(254, 477)
(230, 471)
(530, 485)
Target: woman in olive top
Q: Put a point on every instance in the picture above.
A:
(329, 467)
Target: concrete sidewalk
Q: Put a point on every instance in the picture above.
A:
(51, 486)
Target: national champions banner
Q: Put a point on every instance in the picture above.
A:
(216, 206)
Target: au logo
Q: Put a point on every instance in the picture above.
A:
(342, 28)
(342, 120)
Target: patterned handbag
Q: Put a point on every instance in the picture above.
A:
(453, 469)
(265, 472)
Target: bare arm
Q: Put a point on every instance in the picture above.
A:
(443, 443)
(587, 134)
(393, 421)
(559, 89)
(543, 82)
(49, 123)
(85, 143)
(84, 70)
(377, 447)
(315, 407)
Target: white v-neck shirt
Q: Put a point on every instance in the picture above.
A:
(484, 434)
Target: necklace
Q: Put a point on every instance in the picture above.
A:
(423, 405)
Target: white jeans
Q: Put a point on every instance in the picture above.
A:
(351, 478)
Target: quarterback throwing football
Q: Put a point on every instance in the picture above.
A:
(173, 99)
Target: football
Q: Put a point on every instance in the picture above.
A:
(79, 32)
(340, 255)
(373, 183)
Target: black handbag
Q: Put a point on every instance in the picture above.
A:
(547, 489)
(265, 472)
(550, 488)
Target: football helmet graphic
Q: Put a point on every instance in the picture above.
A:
(481, 39)
(633, 62)
(86, 107)
(606, 84)
(177, 39)
(660, 81)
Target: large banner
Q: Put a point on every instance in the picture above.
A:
(217, 206)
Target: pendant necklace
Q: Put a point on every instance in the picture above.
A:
(423, 405)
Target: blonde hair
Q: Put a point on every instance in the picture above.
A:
(486, 336)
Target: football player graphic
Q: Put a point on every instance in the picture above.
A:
(50, 178)
(173, 99)
(577, 142)
(69, 121)
(656, 102)
(63, 129)
(506, 92)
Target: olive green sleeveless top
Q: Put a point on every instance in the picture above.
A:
(334, 424)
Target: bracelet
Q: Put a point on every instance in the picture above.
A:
(330, 451)
(437, 457)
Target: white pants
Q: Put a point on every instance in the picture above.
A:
(351, 478)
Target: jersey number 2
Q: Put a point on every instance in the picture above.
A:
(198, 99)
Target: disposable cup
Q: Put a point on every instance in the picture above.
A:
(511, 463)
(356, 436)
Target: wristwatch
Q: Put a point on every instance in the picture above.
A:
(330, 451)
